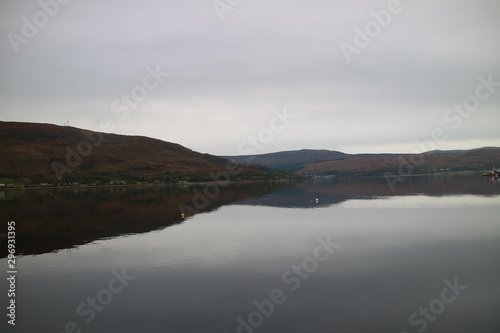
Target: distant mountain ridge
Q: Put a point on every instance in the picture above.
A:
(325, 162)
(32, 154)
(290, 160)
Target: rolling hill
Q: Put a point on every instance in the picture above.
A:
(32, 153)
(290, 160)
(324, 162)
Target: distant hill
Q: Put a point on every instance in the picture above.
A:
(32, 153)
(291, 161)
(324, 162)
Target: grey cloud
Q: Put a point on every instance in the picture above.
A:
(227, 76)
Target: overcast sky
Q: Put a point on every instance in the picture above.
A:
(233, 64)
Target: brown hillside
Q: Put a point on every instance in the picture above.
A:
(310, 162)
(477, 159)
(37, 152)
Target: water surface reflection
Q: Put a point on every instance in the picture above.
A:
(203, 273)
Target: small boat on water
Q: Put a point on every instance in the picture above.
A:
(494, 173)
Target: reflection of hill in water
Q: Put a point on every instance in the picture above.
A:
(73, 217)
(304, 195)
(57, 219)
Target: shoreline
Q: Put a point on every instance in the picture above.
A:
(405, 175)
(69, 187)
(306, 177)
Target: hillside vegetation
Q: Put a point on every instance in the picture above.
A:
(35, 154)
(324, 162)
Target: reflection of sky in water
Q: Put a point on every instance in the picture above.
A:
(201, 275)
(423, 201)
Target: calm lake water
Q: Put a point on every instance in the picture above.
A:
(336, 256)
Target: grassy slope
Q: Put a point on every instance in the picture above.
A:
(28, 151)
(306, 162)
(477, 159)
